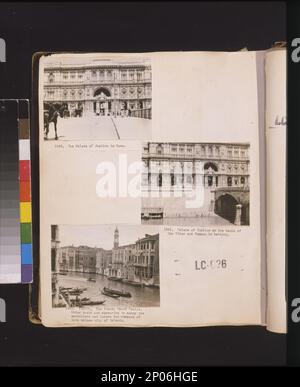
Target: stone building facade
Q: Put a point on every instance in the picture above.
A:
(182, 167)
(100, 88)
(136, 263)
(146, 265)
(78, 259)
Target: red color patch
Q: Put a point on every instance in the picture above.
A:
(24, 171)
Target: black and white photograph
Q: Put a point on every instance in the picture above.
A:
(196, 184)
(91, 97)
(110, 265)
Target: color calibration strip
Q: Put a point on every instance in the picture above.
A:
(25, 193)
(10, 239)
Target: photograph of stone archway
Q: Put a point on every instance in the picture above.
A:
(203, 184)
(96, 98)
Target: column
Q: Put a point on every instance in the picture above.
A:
(238, 215)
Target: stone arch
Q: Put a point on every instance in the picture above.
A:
(102, 90)
(225, 206)
(210, 165)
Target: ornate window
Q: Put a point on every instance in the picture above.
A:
(51, 78)
(159, 149)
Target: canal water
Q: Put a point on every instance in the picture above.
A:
(140, 297)
(201, 221)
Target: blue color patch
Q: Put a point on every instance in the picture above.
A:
(26, 253)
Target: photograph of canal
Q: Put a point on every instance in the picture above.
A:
(196, 184)
(107, 265)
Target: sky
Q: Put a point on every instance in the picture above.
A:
(102, 235)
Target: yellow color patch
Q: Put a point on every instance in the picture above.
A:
(25, 212)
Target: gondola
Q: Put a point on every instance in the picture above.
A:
(91, 303)
(136, 284)
(117, 292)
(115, 279)
(110, 294)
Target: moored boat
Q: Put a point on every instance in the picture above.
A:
(115, 279)
(91, 303)
(120, 293)
(136, 284)
(110, 294)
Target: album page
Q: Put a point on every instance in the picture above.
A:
(276, 188)
(150, 199)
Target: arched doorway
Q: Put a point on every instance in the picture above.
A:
(102, 92)
(102, 102)
(225, 206)
(210, 174)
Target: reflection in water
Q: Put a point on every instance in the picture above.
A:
(140, 296)
(205, 221)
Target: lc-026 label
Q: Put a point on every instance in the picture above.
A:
(204, 264)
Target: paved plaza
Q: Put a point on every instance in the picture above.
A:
(101, 128)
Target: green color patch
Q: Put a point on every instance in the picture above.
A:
(26, 235)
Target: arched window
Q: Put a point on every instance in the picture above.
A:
(51, 78)
(229, 181)
(159, 149)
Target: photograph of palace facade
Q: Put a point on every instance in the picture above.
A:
(136, 263)
(222, 170)
(99, 87)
